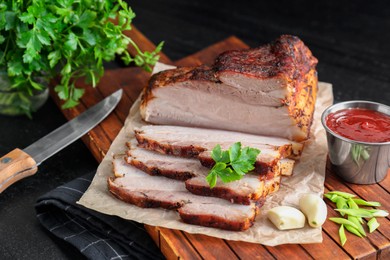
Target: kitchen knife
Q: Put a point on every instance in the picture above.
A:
(19, 164)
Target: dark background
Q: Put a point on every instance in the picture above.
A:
(350, 39)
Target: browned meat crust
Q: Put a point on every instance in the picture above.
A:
(287, 57)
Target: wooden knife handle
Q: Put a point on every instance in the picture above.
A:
(15, 166)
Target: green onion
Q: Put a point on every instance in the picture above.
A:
(341, 203)
(343, 237)
(367, 203)
(343, 221)
(378, 212)
(331, 197)
(356, 221)
(372, 224)
(352, 204)
(353, 222)
(353, 230)
(364, 213)
(345, 195)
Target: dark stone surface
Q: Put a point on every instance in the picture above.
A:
(350, 39)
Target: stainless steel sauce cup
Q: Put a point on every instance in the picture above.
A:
(355, 161)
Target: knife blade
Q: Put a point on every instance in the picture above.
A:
(19, 163)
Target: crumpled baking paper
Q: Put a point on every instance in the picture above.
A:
(308, 177)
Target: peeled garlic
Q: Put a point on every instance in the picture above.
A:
(285, 217)
(314, 209)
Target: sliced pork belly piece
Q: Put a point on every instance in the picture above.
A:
(174, 167)
(270, 90)
(147, 191)
(220, 216)
(200, 139)
(192, 142)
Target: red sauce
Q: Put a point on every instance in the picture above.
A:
(360, 124)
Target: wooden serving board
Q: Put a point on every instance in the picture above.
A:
(176, 244)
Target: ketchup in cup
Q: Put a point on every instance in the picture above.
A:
(360, 124)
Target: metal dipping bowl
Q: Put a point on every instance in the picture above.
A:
(354, 161)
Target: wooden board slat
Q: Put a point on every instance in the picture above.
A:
(250, 251)
(180, 245)
(169, 241)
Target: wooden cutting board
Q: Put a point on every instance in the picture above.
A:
(176, 244)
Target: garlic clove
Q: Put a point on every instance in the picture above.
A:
(285, 217)
(314, 209)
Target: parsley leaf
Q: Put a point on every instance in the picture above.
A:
(232, 164)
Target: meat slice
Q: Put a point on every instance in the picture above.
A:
(270, 90)
(192, 142)
(174, 167)
(147, 191)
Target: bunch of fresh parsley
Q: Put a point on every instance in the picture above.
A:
(72, 38)
(232, 164)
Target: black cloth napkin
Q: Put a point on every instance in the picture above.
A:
(95, 235)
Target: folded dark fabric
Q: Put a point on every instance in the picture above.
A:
(96, 235)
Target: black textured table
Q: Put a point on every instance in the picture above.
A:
(350, 41)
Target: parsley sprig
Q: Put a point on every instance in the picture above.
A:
(232, 164)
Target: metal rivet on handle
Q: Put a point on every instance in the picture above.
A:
(6, 160)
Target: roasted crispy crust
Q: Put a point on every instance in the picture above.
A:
(301, 104)
(285, 57)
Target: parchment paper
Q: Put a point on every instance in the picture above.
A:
(309, 175)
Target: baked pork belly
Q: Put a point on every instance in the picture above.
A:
(197, 142)
(270, 90)
(147, 191)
